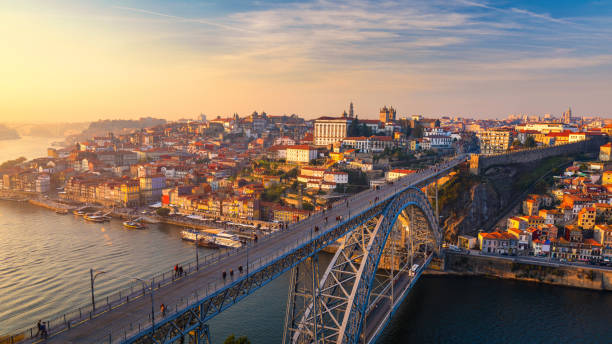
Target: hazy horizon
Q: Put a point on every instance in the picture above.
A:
(73, 61)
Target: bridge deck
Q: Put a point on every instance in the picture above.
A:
(126, 319)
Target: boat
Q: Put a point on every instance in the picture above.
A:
(94, 218)
(227, 240)
(192, 234)
(207, 242)
(133, 225)
(61, 211)
(103, 216)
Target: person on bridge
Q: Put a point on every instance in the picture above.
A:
(43, 331)
(176, 270)
(162, 309)
(39, 325)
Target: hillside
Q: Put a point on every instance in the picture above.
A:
(470, 203)
(7, 133)
(116, 126)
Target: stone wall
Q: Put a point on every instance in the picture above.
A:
(505, 267)
(480, 162)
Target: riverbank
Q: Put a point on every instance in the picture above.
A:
(593, 278)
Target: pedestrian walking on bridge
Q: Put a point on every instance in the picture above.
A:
(39, 325)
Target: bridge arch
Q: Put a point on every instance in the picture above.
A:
(350, 289)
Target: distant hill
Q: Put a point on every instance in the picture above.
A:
(49, 129)
(116, 126)
(7, 133)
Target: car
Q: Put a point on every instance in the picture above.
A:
(413, 270)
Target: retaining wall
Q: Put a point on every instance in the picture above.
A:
(480, 162)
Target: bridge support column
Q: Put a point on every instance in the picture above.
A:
(302, 313)
(202, 335)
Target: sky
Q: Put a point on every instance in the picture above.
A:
(68, 60)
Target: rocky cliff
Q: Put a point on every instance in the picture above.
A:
(477, 202)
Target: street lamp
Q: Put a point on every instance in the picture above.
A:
(95, 273)
(93, 276)
(197, 257)
(144, 285)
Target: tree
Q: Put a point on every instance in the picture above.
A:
(530, 142)
(417, 131)
(163, 211)
(307, 206)
(240, 340)
(364, 130)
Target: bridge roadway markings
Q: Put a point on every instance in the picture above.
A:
(140, 309)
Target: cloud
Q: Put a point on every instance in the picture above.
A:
(179, 18)
(542, 16)
(548, 63)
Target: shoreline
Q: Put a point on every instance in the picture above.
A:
(583, 277)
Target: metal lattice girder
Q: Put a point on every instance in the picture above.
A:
(224, 298)
(343, 298)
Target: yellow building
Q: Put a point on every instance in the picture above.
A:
(495, 140)
(606, 178)
(605, 152)
(517, 222)
(533, 221)
(586, 218)
(288, 214)
(129, 193)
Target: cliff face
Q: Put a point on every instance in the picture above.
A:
(481, 203)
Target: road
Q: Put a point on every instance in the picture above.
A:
(537, 260)
(127, 318)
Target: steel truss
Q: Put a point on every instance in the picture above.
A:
(354, 287)
(209, 307)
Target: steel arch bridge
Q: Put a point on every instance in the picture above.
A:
(368, 277)
(388, 236)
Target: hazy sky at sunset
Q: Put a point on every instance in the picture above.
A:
(86, 60)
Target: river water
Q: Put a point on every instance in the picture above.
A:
(27, 146)
(45, 260)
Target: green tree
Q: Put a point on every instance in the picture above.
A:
(240, 340)
(273, 193)
(307, 206)
(530, 142)
(364, 130)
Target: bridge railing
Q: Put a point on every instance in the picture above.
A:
(198, 295)
(135, 290)
(195, 297)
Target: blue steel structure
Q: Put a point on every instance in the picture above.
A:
(190, 325)
(335, 309)
(388, 237)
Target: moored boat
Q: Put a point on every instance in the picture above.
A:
(61, 211)
(207, 242)
(133, 225)
(227, 240)
(94, 218)
(201, 238)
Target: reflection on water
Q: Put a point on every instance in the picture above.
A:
(46, 260)
(29, 147)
